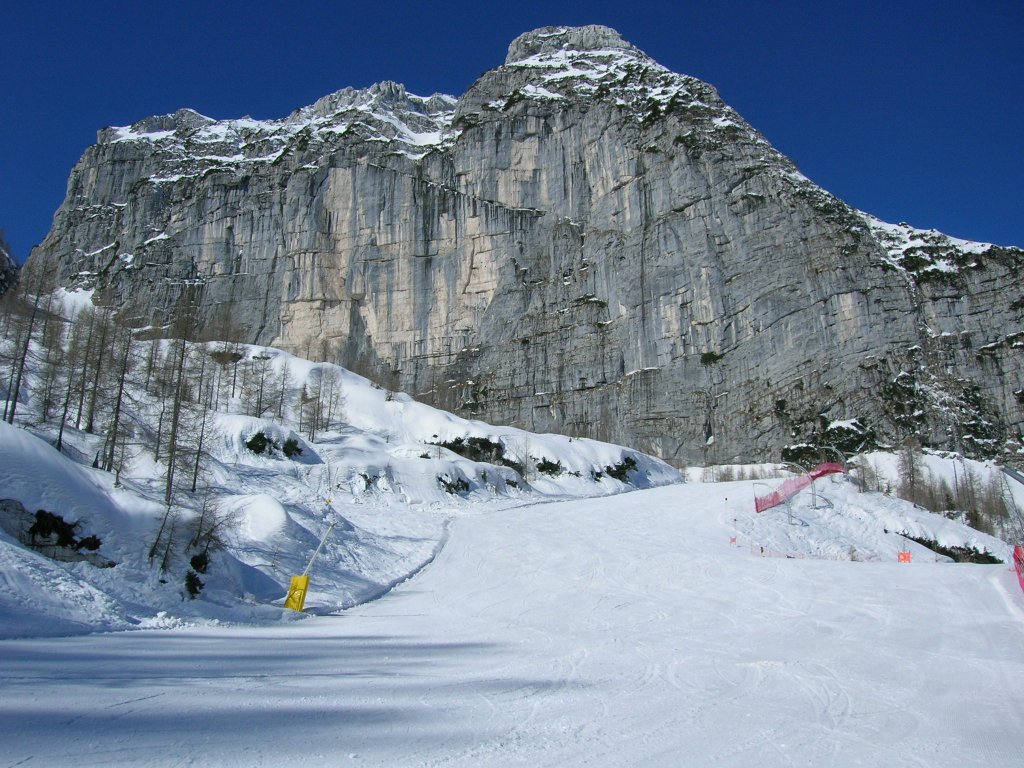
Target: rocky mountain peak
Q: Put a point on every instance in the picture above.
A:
(585, 242)
(548, 40)
(553, 68)
(386, 95)
(180, 121)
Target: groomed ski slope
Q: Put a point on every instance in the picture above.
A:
(619, 631)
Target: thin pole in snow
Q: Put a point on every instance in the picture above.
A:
(323, 541)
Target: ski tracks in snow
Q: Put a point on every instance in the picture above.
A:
(608, 632)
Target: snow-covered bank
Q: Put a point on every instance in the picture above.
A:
(625, 630)
(388, 471)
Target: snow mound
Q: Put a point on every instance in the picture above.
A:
(834, 521)
(262, 516)
(39, 596)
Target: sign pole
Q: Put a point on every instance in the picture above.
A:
(300, 584)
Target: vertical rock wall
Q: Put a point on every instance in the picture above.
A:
(583, 243)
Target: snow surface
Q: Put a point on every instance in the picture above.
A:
(624, 630)
(938, 253)
(538, 620)
(377, 475)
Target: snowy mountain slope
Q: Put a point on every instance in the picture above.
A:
(836, 522)
(379, 475)
(589, 64)
(188, 144)
(625, 630)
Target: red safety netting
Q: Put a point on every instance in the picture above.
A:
(1018, 561)
(794, 485)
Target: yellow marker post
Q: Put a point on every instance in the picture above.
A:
(297, 592)
(300, 584)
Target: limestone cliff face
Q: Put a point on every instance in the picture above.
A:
(8, 271)
(584, 242)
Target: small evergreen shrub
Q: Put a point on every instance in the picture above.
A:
(457, 486)
(91, 543)
(548, 467)
(960, 554)
(802, 454)
(200, 562)
(481, 449)
(193, 584)
(621, 470)
(259, 443)
(51, 525)
(848, 437)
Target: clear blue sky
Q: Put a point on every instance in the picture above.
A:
(910, 110)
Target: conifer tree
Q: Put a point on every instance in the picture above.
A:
(123, 349)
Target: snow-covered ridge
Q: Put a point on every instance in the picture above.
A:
(384, 112)
(414, 125)
(563, 66)
(928, 253)
(919, 254)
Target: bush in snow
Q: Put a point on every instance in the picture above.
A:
(193, 584)
(547, 467)
(49, 524)
(200, 562)
(801, 454)
(960, 554)
(621, 470)
(459, 485)
(481, 449)
(91, 543)
(259, 443)
(822, 442)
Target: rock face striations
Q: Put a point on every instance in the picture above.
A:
(584, 242)
(8, 269)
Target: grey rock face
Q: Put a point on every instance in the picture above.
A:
(8, 271)
(584, 242)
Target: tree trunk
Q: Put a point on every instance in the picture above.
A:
(116, 419)
(16, 390)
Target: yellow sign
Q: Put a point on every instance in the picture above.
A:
(297, 593)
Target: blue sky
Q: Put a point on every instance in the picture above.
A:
(912, 111)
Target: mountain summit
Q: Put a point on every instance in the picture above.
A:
(551, 40)
(583, 242)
